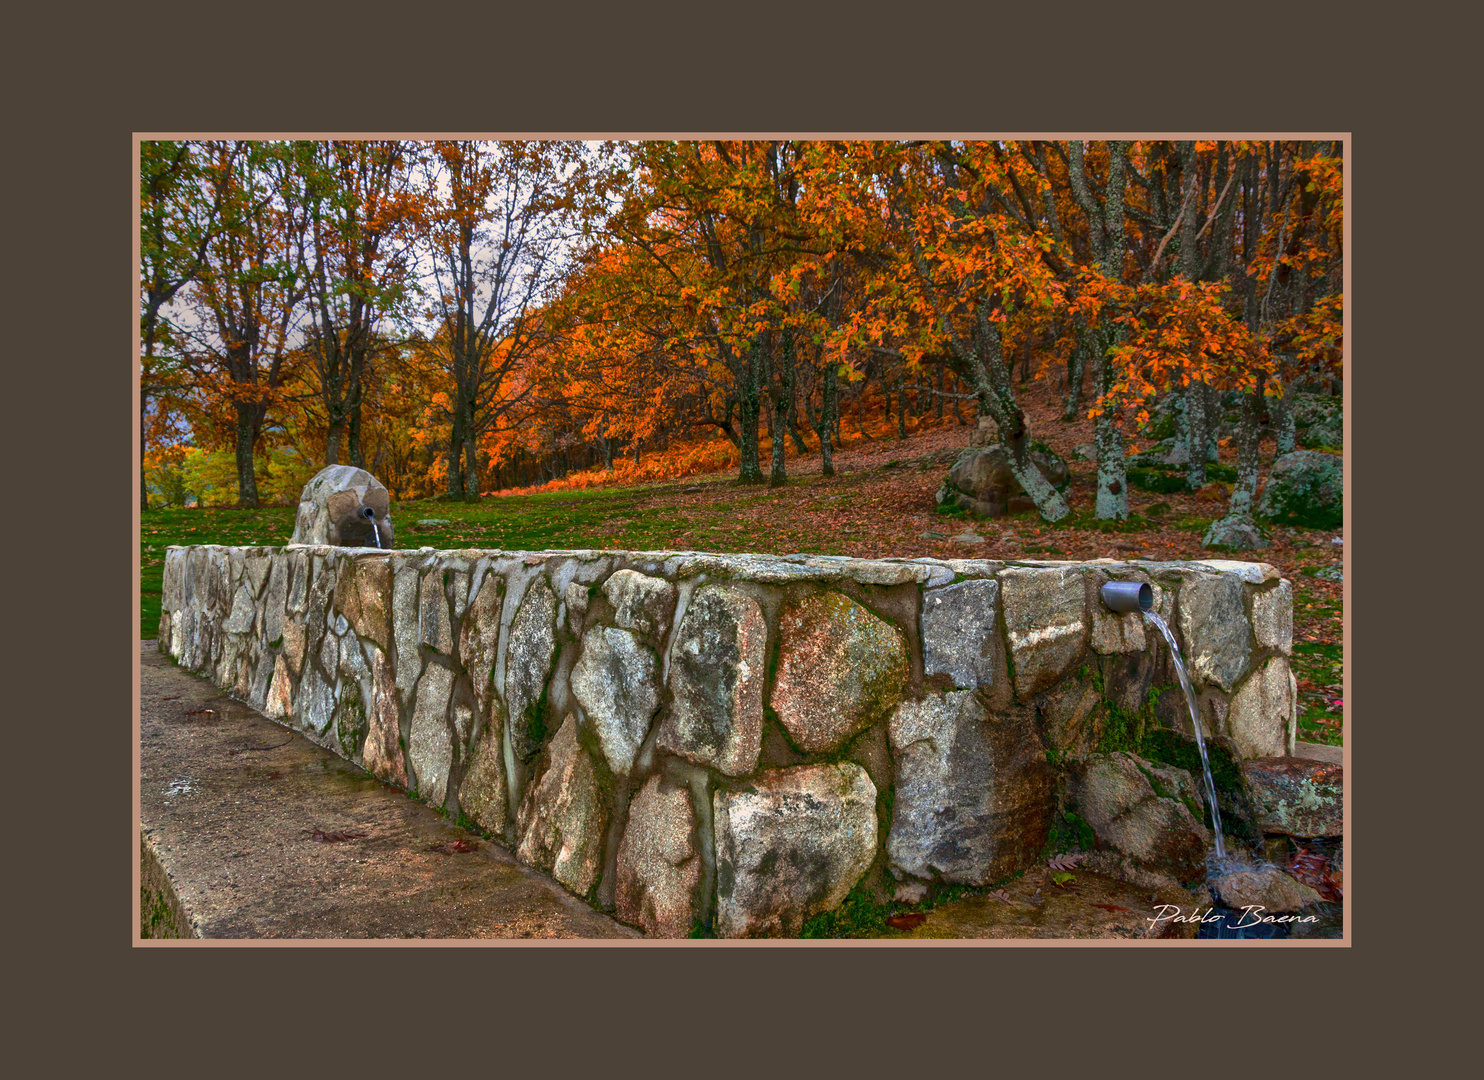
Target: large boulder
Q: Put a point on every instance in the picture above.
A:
(1294, 796)
(981, 482)
(1262, 719)
(791, 845)
(1235, 532)
(530, 654)
(1264, 889)
(1305, 488)
(1047, 624)
(333, 510)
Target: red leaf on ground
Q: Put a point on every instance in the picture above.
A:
(1314, 870)
(907, 921)
(455, 847)
(1112, 907)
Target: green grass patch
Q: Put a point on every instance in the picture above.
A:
(1321, 664)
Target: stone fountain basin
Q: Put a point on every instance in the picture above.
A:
(728, 743)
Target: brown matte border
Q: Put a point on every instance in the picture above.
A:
(127, 70)
(914, 944)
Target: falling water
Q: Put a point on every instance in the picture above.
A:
(1195, 721)
(371, 517)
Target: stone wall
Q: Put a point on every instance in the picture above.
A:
(732, 742)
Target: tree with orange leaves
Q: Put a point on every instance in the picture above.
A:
(501, 218)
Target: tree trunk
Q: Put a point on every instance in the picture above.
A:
(455, 453)
(1075, 363)
(471, 468)
(353, 447)
(829, 409)
(1212, 401)
(247, 432)
(750, 470)
(143, 483)
(1285, 431)
(986, 367)
(939, 404)
(1244, 492)
(1193, 421)
(333, 435)
(1112, 491)
(901, 411)
(793, 426)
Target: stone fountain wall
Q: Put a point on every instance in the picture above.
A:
(728, 741)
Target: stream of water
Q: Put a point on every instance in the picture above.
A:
(1195, 721)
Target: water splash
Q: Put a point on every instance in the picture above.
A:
(1195, 721)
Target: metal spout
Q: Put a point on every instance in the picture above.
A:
(1126, 596)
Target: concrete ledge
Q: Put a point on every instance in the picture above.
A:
(229, 806)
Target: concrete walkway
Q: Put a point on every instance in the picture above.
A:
(251, 831)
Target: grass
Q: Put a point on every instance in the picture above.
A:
(614, 517)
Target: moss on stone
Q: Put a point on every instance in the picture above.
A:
(351, 725)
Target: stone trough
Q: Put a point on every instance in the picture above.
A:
(729, 743)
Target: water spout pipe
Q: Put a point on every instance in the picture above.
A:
(1127, 596)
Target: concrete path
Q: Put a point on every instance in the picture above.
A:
(251, 831)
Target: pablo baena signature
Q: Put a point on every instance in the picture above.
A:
(1251, 916)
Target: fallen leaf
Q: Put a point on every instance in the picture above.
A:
(1067, 861)
(1315, 871)
(1063, 881)
(1001, 895)
(907, 921)
(455, 847)
(336, 837)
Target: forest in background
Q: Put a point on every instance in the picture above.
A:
(462, 318)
